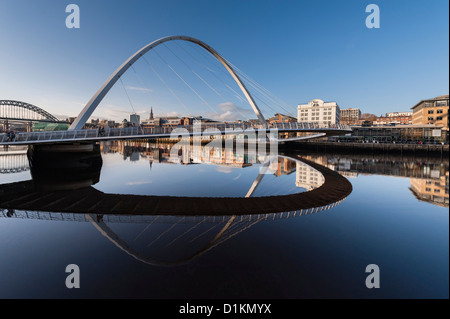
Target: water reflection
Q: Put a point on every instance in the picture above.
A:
(222, 172)
(290, 245)
(69, 181)
(429, 176)
(166, 229)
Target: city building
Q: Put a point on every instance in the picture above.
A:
(394, 118)
(151, 114)
(281, 118)
(153, 121)
(135, 119)
(395, 114)
(401, 133)
(350, 116)
(432, 111)
(71, 119)
(165, 121)
(96, 123)
(318, 111)
(125, 123)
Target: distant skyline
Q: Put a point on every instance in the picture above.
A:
(299, 50)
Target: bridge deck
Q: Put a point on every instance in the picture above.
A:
(93, 135)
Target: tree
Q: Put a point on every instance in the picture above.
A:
(368, 117)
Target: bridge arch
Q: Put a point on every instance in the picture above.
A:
(100, 94)
(332, 192)
(26, 106)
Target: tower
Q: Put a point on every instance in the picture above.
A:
(151, 114)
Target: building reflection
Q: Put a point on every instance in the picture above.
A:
(163, 153)
(432, 190)
(308, 178)
(429, 177)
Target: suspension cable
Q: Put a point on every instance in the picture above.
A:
(129, 100)
(254, 84)
(146, 88)
(244, 78)
(165, 84)
(204, 81)
(261, 87)
(179, 76)
(237, 94)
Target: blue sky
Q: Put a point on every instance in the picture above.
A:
(298, 50)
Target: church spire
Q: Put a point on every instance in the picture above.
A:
(151, 114)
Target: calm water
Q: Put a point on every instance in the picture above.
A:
(395, 217)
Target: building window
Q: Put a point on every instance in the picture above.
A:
(441, 103)
(430, 111)
(440, 111)
(430, 118)
(437, 190)
(428, 189)
(439, 118)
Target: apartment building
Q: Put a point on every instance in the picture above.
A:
(318, 111)
(432, 111)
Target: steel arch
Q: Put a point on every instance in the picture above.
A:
(98, 97)
(30, 107)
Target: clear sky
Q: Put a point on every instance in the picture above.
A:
(299, 50)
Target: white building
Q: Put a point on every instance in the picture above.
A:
(318, 111)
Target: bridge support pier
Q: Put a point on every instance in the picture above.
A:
(65, 166)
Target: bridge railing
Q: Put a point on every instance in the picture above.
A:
(164, 130)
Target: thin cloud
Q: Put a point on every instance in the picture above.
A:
(229, 112)
(136, 88)
(138, 183)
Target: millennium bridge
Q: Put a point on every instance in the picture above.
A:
(76, 133)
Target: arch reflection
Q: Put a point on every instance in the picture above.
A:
(168, 230)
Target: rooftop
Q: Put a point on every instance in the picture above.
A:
(438, 98)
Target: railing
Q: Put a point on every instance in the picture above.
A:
(93, 134)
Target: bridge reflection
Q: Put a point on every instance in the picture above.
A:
(13, 162)
(66, 190)
(167, 230)
(429, 175)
